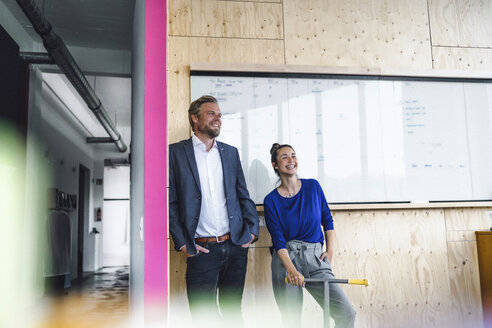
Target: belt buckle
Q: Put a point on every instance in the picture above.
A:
(217, 239)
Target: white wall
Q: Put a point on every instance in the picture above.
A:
(62, 149)
(116, 216)
(93, 263)
(117, 181)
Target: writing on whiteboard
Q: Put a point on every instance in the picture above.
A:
(364, 140)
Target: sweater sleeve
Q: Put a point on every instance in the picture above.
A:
(272, 222)
(326, 217)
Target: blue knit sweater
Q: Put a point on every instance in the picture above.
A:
(299, 217)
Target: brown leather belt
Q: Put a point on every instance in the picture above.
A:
(219, 239)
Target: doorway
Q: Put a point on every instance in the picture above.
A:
(116, 212)
(83, 212)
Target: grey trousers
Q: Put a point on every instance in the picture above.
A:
(306, 258)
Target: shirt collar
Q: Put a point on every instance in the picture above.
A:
(198, 143)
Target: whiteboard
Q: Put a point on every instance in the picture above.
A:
(364, 139)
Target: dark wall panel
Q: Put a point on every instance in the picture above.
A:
(9, 77)
(14, 85)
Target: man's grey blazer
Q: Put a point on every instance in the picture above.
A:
(185, 196)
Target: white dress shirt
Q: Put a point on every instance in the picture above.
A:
(213, 215)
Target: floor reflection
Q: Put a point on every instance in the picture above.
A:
(100, 300)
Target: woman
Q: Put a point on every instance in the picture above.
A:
(294, 213)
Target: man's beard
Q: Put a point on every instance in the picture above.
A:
(209, 132)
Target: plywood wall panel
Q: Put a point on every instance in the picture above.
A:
(353, 33)
(461, 235)
(375, 231)
(231, 19)
(185, 50)
(466, 219)
(463, 263)
(413, 258)
(403, 254)
(179, 313)
(462, 58)
(461, 23)
(274, 1)
(259, 305)
(264, 239)
(465, 284)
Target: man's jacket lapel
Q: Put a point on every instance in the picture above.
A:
(190, 155)
(226, 170)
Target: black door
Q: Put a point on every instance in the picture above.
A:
(84, 183)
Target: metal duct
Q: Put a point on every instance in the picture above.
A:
(37, 58)
(98, 140)
(62, 57)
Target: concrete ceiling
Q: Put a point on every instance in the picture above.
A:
(98, 33)
(105, 24)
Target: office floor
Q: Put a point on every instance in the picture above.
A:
(99, 300)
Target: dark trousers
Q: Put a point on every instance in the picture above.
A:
(220, 275)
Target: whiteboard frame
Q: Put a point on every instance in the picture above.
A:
(394, 73)
(339, 70)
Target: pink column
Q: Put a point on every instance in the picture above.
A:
(156, 288)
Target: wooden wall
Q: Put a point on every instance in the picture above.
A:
(422, 263)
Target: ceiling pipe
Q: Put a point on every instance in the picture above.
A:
(37, 58)
(98, 140)
(59, 52)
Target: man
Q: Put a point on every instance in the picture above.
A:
(212, 219)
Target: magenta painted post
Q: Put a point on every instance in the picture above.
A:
(155, 240)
